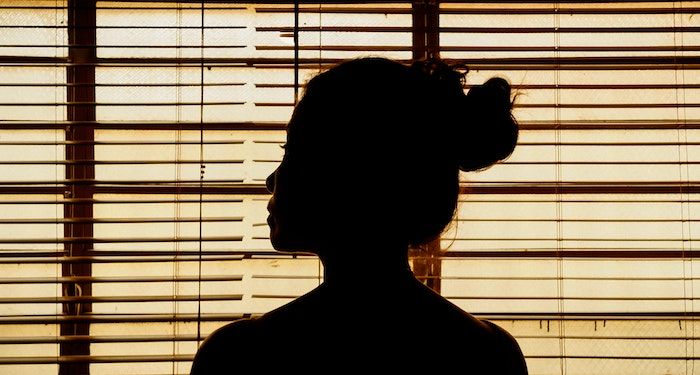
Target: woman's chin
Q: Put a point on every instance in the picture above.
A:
(286, 244)
(275, 237)
(285, 248)
(276, 243)
(279, 242)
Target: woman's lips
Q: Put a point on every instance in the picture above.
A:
(270, 209)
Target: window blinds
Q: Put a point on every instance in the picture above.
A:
(135, 138)
(584, 237)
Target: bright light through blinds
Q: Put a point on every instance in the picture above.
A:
(580, 244)
(584, 237)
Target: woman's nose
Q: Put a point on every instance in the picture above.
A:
(270, 182)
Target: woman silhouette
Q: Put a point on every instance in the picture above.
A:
(371, 167)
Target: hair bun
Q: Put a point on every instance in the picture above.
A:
(492, 132)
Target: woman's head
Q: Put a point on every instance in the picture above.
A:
(373, 151)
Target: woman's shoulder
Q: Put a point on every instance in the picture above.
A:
(507, 350)
(232, 333)
(223, 346)
(489, 345)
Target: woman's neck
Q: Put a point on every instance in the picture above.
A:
(366, 267)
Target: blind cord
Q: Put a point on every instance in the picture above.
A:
(320, 67)
(201, 172)
(689, 226)
(296, 51)
(682, 134)
(56, 96)
(558, 182)
(176, 198)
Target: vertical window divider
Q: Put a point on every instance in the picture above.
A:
(427, 262)
(432, 28)
(418, 11)
(79, 189)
